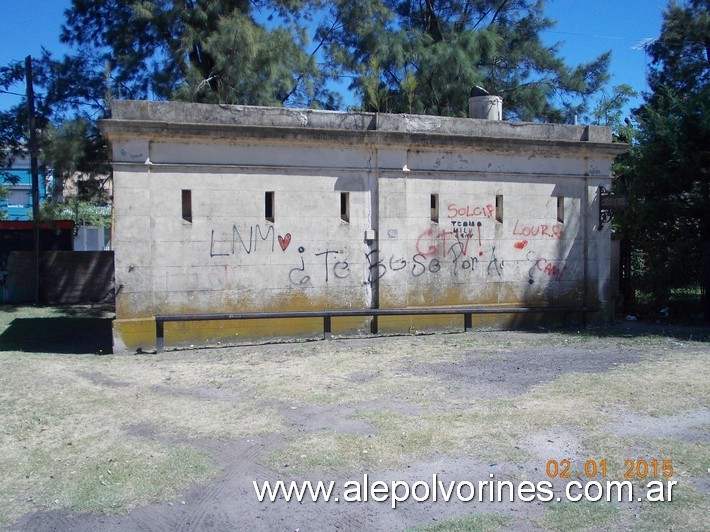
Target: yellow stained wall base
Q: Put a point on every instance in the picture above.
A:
(419, 324)
(135, 334)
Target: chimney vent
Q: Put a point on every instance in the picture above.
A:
(485, 107)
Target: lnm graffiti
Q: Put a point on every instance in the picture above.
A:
(237, 243)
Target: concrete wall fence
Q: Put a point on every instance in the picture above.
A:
(223, 209)
(66, 277)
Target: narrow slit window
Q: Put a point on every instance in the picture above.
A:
(269, 206)
(434, 204)
(345, 206)
(499, 208)
(187, 205)
(561, 209)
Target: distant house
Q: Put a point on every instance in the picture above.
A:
(18, 179)
(99, 189)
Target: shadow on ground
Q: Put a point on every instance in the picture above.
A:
(635, 329)
(620, 329)
(65, 335)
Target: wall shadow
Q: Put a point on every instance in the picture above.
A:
(575, 326)
(624, 329)
(63, 335)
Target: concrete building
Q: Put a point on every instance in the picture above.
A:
(223, 209)
(18, 180)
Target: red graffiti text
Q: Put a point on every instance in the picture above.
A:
(543, 230)
(457, 211)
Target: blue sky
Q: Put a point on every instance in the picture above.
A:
(587, 28)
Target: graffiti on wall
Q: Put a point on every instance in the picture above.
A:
(248, 241)
(245, 241)
(542, 230)
(466, 236)
(542, 267)
(333, 263)
(466, 211)
(460, 248)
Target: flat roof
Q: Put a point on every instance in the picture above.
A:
(220, 116)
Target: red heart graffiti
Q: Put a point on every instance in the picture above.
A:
(521, 244)
(284, 241)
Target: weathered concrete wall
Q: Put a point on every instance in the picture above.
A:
(228, 257)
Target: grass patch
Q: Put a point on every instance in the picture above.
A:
(66, 421)
(488, 431)
(494, 429)
(332, 373)
(471, 523)
(687, 511)
(676, 383)
(101, 474)
(399, 438)
(584, 515)
(690, 459)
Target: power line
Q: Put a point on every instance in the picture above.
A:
(610, 37)
(640, 43)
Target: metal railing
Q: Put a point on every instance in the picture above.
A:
(327, 315)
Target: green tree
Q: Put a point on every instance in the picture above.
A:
(67, 104)
(198, 50)
(667, 183)
(609, 108)
(4, 193)
(74, 149)
(80, 211)
(192, 50)
(403, 56)
(430, 53)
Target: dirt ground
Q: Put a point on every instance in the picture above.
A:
(506, 369)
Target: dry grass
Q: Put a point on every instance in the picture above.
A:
(494, 430)
(71, 424)
(483, 522)
(582, 515)
(73, 427)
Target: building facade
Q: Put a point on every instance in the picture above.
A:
(224, 209)
(18, 180)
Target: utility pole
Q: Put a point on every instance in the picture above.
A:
(34, 167)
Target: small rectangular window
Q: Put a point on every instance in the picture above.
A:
(345, 206)
(561, 209)
(269, 206)
(187, 205)
(434, 204)
(499, 208)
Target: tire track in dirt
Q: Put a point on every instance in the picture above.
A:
(229, 501)
(217, 505)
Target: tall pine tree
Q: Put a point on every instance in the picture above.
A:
(424, 56)
(191, 50)
(668, 183)
(402, 56)
(198, 50)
